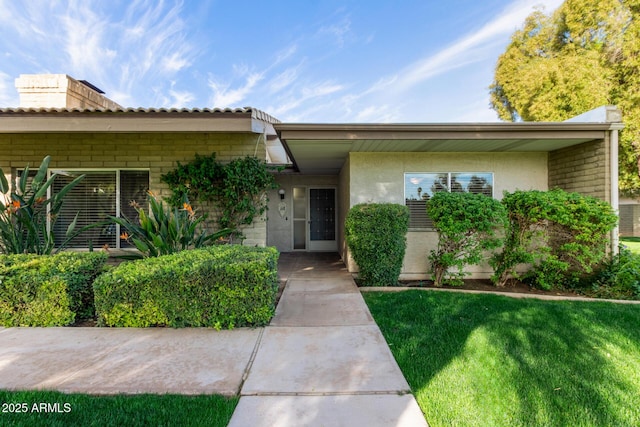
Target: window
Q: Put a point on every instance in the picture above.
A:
(99, 195)
(420, 187)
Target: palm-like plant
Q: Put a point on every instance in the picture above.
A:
(25, 211)
(166, 230)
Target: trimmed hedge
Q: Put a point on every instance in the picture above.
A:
(48, 290)
(377, 236)
(219, 286)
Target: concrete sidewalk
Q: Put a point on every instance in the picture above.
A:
(323, 361)
(126, 360)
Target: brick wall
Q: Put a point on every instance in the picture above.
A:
(583, 168)
(158, 153)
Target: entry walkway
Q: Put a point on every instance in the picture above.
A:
(323, 361)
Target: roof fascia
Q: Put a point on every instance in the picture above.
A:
(127, 123)
(444, 131)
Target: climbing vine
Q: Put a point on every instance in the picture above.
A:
(236, 188)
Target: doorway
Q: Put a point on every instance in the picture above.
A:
(314, 219)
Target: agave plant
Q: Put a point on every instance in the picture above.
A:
(25, 211)
(166, 230)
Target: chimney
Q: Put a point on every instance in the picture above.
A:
(60, 91)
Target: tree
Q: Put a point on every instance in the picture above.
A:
(584, 55)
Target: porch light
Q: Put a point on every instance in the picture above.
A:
(281, 193)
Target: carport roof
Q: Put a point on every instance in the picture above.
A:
(323, 148)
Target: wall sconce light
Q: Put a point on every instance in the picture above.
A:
(281, 193)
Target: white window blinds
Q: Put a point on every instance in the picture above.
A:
(99, 195)
(420, 187)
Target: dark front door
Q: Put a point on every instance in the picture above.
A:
(314, 220)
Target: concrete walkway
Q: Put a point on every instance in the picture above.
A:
(323, 361)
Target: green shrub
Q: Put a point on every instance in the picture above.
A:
(48, 290)
(376, 235)
(562, 235)
(467, 225)
(219, 286)
(618, 278)
(166, 230)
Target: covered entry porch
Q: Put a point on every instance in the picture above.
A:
(304, 214)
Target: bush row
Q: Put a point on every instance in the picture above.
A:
(220, 287)
(48, 290)
(557, 238)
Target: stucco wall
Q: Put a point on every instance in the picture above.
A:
(157, 152)
(379, 177)
(280, 228)
(583, 168)
(344, 197)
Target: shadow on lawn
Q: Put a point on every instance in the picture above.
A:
(558, 363)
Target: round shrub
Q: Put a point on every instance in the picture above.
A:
(467, 225)
(376, 235)
(562, 235)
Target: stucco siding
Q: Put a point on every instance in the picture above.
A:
(344, 197)
(379, 177)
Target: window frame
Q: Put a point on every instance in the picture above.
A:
(429, 226)
(118, 209)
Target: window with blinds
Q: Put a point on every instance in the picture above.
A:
(99, 195)
(420, 187)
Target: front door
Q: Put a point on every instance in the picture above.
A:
(314, 219)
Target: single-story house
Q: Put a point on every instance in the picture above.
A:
(327, 168)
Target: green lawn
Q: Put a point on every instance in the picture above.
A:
(498, 361)
(121, 410)
(633, 243)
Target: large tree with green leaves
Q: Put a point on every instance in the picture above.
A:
(583, 55)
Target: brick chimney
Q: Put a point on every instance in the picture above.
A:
(60, 91)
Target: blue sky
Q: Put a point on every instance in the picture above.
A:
(298, 60)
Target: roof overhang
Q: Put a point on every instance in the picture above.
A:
(146, 120)
(138, 120)
(323, 148)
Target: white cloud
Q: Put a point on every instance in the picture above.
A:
(180, 98)
(377, 113)
(299, 96)
(338, 30)
(223, 96)
(174, 62)
(283, 80)
(469, 49)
